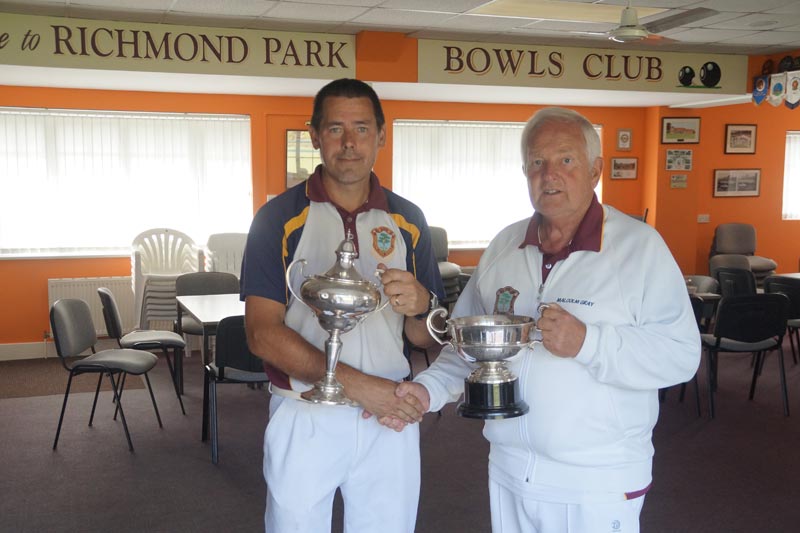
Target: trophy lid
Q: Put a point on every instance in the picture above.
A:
(344, 268)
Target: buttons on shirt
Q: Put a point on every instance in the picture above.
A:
(548, 266)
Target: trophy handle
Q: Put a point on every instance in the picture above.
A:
(294, 263)
(433, 330)
(378, 273)
(533, 342)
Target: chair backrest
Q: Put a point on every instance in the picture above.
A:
(439, 242)
(224, 252)
(195, 283)
(788, 286)
(736, 281)
(734, 238)
(110, 313)
(727, 261)
(73, 329)
(231, 348)
(164, 251)
(752, 318)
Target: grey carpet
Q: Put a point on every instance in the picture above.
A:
(737, 473)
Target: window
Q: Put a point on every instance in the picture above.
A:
(465, 176)
(791, 177)
(86, 183)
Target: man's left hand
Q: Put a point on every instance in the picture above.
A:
(562, 333)
(407, 295)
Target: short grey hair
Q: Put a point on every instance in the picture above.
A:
(561, 114)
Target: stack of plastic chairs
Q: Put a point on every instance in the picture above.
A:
(224, 252)
(158, 257)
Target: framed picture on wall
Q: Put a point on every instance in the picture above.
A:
(740, 138)
(624, 168)
(624, 140)
(738, 182)
(680, 130)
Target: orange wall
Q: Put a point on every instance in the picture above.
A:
(23, 284)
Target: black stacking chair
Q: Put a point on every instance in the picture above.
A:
(145, 339)
(790, 286)
(74, 333)
(232, 363)
(735, 281)
(698, 306)
(753, 323)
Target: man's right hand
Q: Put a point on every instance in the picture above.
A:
(407, 390)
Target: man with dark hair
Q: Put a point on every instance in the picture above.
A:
(310, 450)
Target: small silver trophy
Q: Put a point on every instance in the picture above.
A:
(491, 391)
(340, 299)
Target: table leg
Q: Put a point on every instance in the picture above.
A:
(179, 359)
(204, 357)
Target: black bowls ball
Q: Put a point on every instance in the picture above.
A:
(686, 75)
(710, 74)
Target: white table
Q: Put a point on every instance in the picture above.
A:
(208, 309)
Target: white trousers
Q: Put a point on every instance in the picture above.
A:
(311, 450)
(512, 513)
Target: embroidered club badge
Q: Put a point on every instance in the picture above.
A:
(383, 241)
(504, 301)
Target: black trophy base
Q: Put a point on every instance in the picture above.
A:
(492, 401)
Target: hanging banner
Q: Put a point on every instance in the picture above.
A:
(36, 41)
(474, 63)
(777, 88)
(760, 89)
(792, 89)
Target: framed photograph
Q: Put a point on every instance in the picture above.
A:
(739, 182)
(624, 140)
(623, 168)
(680, 130)
(740, 138)
(301, 157)
(679, 160)
(678, 181)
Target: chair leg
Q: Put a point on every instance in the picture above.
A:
(711, 384)
(64, 408)
(697, 394)
(176, 353)
(153, 399)
(121, 390)
(783, 382)
(96, 394)
(212, 393)
(792, 333)
(757, 365)
(118, 399)
(682, 394)
(204, 430)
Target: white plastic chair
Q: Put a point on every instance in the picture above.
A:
(158, 257)
(224, 252)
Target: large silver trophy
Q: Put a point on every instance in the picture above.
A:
(340, 299)
(491, 391)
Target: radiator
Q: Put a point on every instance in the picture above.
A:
(86, 289)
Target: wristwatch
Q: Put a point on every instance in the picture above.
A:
(433, 303)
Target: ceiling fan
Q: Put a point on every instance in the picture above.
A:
(629, 29)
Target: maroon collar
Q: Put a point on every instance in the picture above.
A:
(377, 197)
(588, 237)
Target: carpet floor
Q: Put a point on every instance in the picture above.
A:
(24, 378)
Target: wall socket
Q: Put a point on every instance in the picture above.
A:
(704, 219)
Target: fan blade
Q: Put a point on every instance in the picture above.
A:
(679, 19)
(654, 38)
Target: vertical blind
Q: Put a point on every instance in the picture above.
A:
(466, 176)
(86, 183)
(791, 177)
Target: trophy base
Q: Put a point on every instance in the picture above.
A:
(491, 401)
(328, 394)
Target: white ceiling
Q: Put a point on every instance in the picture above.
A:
(745, 27)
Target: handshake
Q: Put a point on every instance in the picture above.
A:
(396, 404)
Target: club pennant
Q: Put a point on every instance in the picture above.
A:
(760, 89)
(792, 89)
(777, 88)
